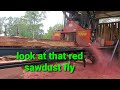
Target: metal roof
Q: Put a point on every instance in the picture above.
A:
(102, 14)
(107, 14)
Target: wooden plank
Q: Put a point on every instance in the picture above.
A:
(112, 30)
(102, 29)
(119, 43)
(115, 30)
(98, 31)
(106, 33)
(109, 37)
(119, 29)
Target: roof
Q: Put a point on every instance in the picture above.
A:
(102, 14)
(107, 14)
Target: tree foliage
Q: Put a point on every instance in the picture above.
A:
(2, 21)
(50, 31)
(30, 25)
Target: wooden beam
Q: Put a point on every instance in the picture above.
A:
(107, 14)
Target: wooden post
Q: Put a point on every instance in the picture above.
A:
(97, 28)
(119, 43)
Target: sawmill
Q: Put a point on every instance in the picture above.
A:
(81, 30)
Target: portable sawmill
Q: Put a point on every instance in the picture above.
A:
(78, 34)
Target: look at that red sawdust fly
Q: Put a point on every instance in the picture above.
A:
(100, 70)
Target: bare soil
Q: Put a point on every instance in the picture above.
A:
(100, 70)
(11, 73)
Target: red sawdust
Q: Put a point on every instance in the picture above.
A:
(100, 70)
(11, 73)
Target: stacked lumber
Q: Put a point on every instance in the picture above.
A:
(7, 58)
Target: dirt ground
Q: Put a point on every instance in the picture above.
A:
(89, 72)
(11, 73)
(100, 70)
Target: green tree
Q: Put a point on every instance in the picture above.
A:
(12, 25)
(28, 25)
(51, 30)
(2, 22)
(34, 19)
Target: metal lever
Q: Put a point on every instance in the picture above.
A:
(114, 52)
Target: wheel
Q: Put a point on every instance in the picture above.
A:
(92, 58)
